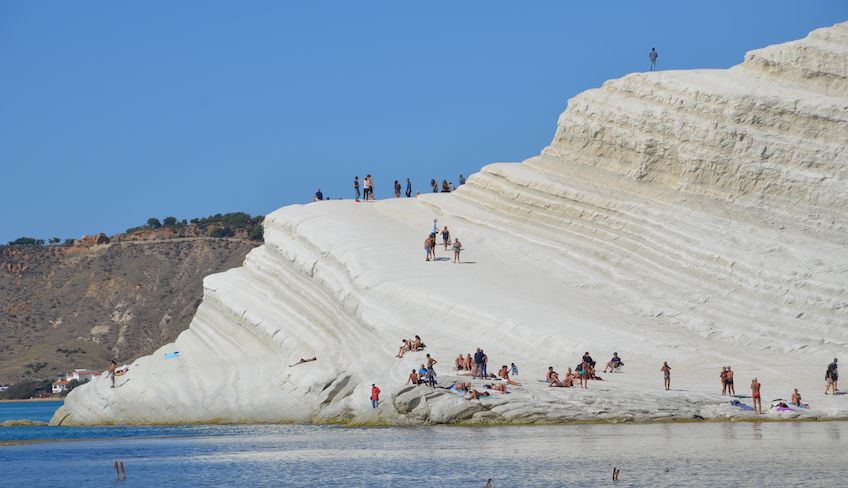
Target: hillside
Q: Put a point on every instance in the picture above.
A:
(66, 307)
(694, 217)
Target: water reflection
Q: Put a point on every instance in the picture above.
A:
(705, 454)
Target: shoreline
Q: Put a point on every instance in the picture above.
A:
(376, 424)
(34, 400)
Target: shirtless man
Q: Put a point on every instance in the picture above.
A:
(584, 373)
(666, 370)
(755, 394)
(303, 360)
(469, 361)
(796, 398)
(459, 362)
(551, 376)
(430, 363)
(504, 374)
(113, 365)
(731, 390)
(723, 377)
(413, 378)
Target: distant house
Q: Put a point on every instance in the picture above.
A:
(60, 386)
(81, 375)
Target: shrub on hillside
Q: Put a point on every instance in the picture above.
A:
(221, 232)
(27, 241)
(154, 223)
(256, 233)
(169, 221)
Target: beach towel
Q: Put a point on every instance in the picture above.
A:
(172, 355)
(740, 405)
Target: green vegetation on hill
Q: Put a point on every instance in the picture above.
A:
(218, 225)
(27, 389)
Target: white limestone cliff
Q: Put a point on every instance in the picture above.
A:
(695, 217)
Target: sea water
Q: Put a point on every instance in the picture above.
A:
(691, 454)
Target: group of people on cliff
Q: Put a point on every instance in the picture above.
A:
(363, 189)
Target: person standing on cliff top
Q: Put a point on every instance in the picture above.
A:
(367, 189)
(356, 187)
(375, 396)
(666, 370)
(408, 188)
(397, 189)
(113, 365)
(653, 57)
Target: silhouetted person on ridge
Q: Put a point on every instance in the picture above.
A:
(653, 57)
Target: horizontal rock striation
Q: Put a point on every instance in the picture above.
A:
(696, 217)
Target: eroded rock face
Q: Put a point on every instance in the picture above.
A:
(696, 217)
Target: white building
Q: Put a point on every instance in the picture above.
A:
(60, 386)
(81, 375)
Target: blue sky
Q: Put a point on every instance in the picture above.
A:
(113, 112)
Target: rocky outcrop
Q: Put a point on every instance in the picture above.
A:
(696, 217)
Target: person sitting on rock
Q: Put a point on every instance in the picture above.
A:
(404, 348)
(551, 375)
(417, 345)
(613, 363)
(413, 378)
(459, 362)
(504, 374)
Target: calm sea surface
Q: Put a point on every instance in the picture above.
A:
(711, 455)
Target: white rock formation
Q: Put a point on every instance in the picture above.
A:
(697, 217)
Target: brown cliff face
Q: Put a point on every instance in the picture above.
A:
(76, 307)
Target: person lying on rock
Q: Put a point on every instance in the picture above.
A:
(303, 360)
(474, 394)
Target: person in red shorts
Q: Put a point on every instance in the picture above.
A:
(755, 394)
